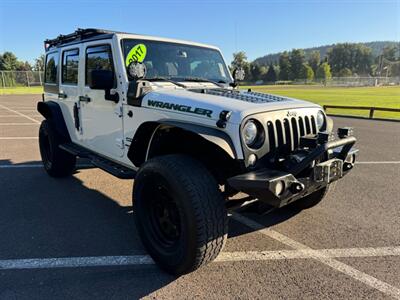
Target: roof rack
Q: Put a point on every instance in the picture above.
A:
(78, 35)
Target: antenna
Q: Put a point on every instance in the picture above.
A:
(236, 39)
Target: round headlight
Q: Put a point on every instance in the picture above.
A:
(320, 120)
(250, 132)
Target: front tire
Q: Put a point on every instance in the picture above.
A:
(56, 162)
(180, 213)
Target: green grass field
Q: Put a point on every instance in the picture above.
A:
(360, 96)
(21, 90)
(346, 96)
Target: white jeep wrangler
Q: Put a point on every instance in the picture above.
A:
(168, 114)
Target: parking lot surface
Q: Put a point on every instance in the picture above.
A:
(75, 238)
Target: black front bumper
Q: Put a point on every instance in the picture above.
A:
(325, 163)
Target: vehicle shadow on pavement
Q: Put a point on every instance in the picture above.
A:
(270, 216)
(44, 217)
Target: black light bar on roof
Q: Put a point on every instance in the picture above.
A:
(79, 34)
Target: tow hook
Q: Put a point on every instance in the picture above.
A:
(347, 166)
(296, 187)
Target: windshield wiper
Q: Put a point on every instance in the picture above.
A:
(167, 80)
(200, 79)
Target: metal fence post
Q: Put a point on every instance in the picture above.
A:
(371, 112)
(27, 78)
(3, 80)
(40, 78)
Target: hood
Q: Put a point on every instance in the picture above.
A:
(209, 102)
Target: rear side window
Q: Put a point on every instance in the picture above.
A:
(98, 58)
(70, 66)
(51, 68)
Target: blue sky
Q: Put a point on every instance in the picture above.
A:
(255, 26)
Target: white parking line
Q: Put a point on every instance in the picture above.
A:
(18, 113)
(377, 162)
(322, 257)
(9, 116)
(104, 261)
(74, 262)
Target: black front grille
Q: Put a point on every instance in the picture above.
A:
(285, 134)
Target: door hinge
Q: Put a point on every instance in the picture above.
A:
(120, 143)
(118, 111)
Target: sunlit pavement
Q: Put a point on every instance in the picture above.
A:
(75, 238)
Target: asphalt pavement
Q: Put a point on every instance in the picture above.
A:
(75, 238)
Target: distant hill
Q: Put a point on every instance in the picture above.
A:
(375, 46)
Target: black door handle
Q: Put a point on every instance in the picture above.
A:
(62, 95)
(84, 99)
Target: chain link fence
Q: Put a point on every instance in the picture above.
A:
(352, 81)
(12, 79)
(335, 81)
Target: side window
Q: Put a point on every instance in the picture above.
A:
(98, 58)
(51, 67)
(70, 64)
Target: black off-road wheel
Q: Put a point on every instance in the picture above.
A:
(56, 162)
(179, 212)
(310, 200)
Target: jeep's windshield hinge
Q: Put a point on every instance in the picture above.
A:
(120, 143)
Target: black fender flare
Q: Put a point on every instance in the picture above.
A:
(137, 153)
(51, 111)
(213, 135)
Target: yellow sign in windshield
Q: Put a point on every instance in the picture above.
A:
(137, 53)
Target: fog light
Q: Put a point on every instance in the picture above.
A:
(251, 161)
(279, 188)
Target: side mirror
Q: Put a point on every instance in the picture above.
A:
(101, 80)
(238, 74)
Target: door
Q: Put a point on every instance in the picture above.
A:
(102, 127)
(70, 89)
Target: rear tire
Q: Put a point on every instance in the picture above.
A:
(310, 200)
(56, 162)
(179, 212)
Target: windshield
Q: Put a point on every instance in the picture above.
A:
(176, 61)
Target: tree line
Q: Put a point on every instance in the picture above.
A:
(342, 60)
(10, 62)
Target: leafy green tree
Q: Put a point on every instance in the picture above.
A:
(395, 69)
(263, 70)
(324, 72)
(314, 60)
(284, 66)
(8, 61)
(297, 59)
(306, 73)
(391, 53)
(23, 66)
(39, 63)
(345, 72)
(355, 57)
(271, 74)
(255, 71)
(363, 60)
(240, 61)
